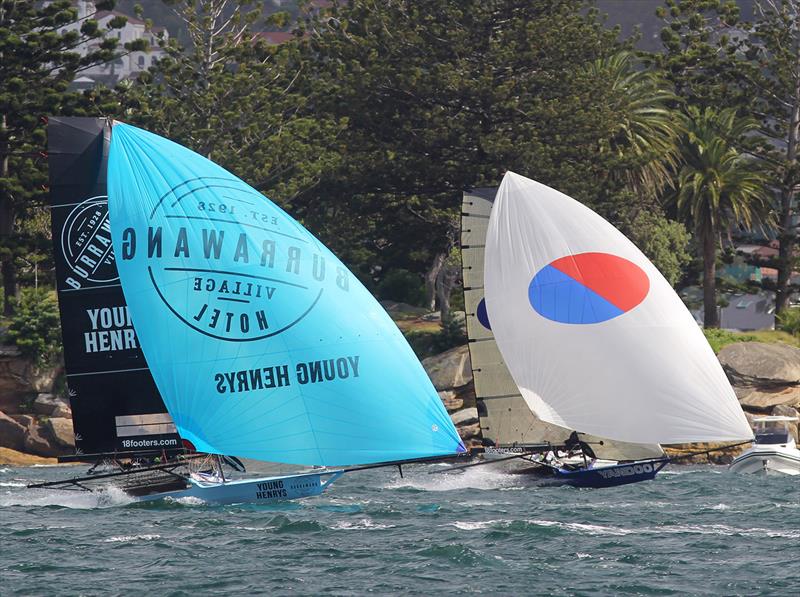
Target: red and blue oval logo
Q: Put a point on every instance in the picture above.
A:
(587, 288)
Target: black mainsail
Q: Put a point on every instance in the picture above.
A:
(116, 407)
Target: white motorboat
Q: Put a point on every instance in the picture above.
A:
(773, 451)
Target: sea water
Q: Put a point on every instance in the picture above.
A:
(692, 531)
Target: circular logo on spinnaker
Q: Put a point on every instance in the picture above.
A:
(229, 263)
(587, 288)
(86, 243)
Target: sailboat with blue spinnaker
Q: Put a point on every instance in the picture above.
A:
(261, 343)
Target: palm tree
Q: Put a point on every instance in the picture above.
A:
(717, 186)
(645, 129)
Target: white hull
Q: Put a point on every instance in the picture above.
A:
(264, 490)
(768, 459)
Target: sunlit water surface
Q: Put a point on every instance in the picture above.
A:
(693, 531)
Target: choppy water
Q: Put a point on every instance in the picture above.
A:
(693, 531)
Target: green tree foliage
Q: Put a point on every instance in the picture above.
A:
(35, 327)
(447, 95)
(664, 241)
(403, 286)
(715, 59)
(718, 186)
(697, 55)
(232, 97)
(789, 321)
(645, 127)
(769, 77)
(39, 57)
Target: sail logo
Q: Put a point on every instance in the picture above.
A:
(626, 471)
(587, 288)
(482, 315)
(86, 244)
(230, 264)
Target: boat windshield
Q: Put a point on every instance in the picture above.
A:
(771, 432)
(772, 437)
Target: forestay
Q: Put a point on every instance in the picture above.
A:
(261, 342)
(505, 418)
(593, 335)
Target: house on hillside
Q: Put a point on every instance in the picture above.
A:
(127, 66)
(748, 312)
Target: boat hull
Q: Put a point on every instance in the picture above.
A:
(767, 460)
(610, 476)
(602, 473)
(264, 490)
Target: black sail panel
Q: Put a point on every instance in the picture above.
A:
(115, 404)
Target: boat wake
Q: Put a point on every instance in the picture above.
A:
(78, 500)
(474, 478)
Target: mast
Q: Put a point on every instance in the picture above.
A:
(116, 407)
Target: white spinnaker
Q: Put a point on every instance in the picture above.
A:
(647, 375)
(505, 418)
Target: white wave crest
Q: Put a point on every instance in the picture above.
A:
(476, 525)
(364, 523)
(129, 538)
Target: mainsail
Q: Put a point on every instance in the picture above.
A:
(594, 336)
(115, 404)
(506, 419)
(260, 340)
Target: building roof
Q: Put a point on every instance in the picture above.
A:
(765, 252)
(114, 13)
(746, 312)
(274, 37)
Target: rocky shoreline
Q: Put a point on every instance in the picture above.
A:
(36, 423)
(765, 378)
(35, 417)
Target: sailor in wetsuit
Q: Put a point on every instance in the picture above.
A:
(575, 443)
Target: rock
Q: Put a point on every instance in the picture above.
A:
(395, 308)
(44, 404)
(450, 369)
(60, 432)
(12, 434)
(433, 316)
(764, 400)
(451, 401)
(35, 443)
(15, 458)
(759, 363)
(785, 411)
(467, 394)
(24, 420)
(473, 443)
(722, 455)
(470, 431)
(21, 379)
(467, 416)
(62, 410)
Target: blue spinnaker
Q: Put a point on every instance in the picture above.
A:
(260, 340)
